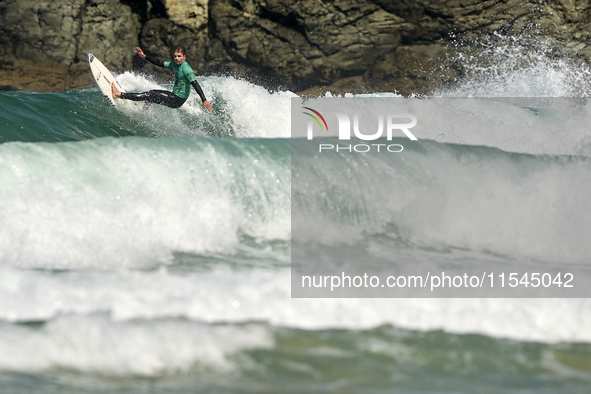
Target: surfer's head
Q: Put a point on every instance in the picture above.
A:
(180, 55)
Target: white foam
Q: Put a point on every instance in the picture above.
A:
(525, 66)
(523, 207)
(132, 202)
(505, 207)
(237, 296)
(100, 345)
(255, 112)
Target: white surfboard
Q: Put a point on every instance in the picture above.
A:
(103, 77)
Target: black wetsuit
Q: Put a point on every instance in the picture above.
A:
(176, 98)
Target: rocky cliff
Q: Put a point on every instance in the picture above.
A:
(410, 46)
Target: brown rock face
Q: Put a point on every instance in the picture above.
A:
(304, 42)
(410, 46)
(43, 44)
(60, 33)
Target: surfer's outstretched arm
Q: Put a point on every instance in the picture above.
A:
(151, 59)
(199, 91)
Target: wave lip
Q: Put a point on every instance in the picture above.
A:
(446, 196)
(132, 202)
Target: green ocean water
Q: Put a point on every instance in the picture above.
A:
(380, 360)
(147, 250)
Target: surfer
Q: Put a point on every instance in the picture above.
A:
(184, 78)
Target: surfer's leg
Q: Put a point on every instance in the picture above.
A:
(163, 97)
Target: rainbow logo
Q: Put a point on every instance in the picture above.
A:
(315, 118)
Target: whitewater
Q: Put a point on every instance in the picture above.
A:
(144, 249)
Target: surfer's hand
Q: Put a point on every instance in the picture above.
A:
(140, 53)
(207, 105)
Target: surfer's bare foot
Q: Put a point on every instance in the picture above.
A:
(114, 91)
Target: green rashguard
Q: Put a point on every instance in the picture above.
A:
(184, 78)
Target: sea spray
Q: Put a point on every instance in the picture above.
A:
(497, 65)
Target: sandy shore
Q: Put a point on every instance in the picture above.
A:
(37, 78)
